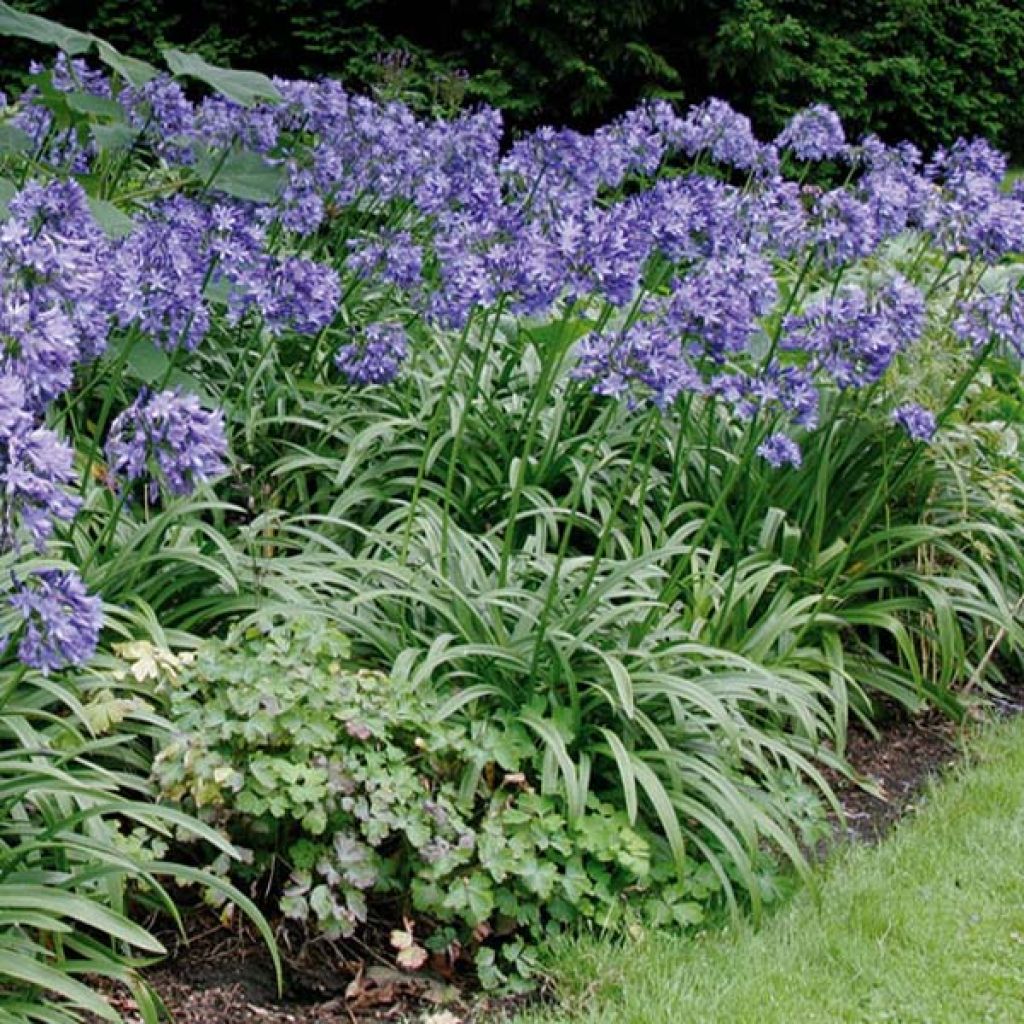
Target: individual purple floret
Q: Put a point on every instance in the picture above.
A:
(815, 133)
(779, 450)
(376, 358)
(167, 439)
(918, 422)
(62, 621)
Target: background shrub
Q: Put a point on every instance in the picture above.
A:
(922, 70)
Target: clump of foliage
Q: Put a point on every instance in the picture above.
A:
(84, 842)
(350, 790)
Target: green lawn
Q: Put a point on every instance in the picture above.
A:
(927, 928)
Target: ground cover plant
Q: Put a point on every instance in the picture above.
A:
(489, 537)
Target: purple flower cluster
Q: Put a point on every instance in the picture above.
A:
(54, 296)
(853, 337)
(643, 361)
(54, 312)
(61, 147)
(643, 226)
(918, 422)
(375, 357)
(779, 450)
(61, 622)
(55, 309)
(167, 439)
(992, 316)
(815, 133)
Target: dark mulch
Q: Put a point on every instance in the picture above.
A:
(224, 976)
(892, 765)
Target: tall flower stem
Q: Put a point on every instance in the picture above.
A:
(433, 427)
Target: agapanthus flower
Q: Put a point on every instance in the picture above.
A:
(843, 228)
(720, 301)
(302, 208)
(61, 147)
(774, 218)
(165, 116)
(602, 252)
(221, 123)
(897, 194)
(918, 422)
(779, 450)
(854, 337)
(972, 213)
(54, 301)
(692, 217)
(814, 133)
(774, 389)
(61, 621)
(966, 158)
(36, 467)
(992, 316)
(375, 357)
(645, 362)
(160, 273)
(392, 257)
(723, 133)
(292, 294)
(14, 418)
(167, 439)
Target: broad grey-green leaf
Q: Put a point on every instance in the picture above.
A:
(146, 361)
(8, 190)
(14, 140)
(136, 71)
(113, 137)
(42, 30)
(244, 87)
(244, 175)
(95, 106)
(114, 222)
